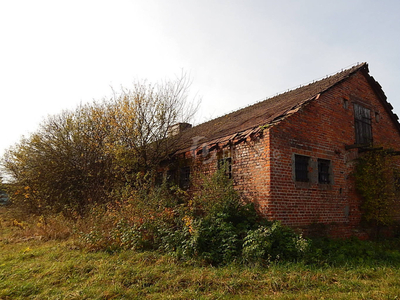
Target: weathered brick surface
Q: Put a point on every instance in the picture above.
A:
(263, 166)
(322, 129)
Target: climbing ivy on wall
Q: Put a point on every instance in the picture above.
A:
(377, 181)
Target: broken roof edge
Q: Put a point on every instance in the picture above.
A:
(242, 135)
(377, 88)
(356, 68)
(346, 73)
(223, 141)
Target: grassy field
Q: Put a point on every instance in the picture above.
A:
(33, 267)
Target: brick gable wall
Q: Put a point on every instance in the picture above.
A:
(320, 131)
(263, 166)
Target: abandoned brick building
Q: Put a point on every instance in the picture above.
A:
(292, 155)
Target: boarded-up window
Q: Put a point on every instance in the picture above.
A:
(362, 124)
(301, 168)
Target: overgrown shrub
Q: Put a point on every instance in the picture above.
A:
(273, 242)
(215, 239)
(137, 220)
(220, 220)
(214, 225)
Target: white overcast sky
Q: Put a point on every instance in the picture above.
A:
(56, 54)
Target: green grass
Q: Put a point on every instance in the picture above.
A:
(61, 269)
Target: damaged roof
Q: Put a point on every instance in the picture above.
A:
(239, 124)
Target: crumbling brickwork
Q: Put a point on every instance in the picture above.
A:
(297, 167)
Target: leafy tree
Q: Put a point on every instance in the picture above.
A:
(141, 117)
(78, 157)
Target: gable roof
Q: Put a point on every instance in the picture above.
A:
(239, 124)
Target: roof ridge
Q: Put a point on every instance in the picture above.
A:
(345, 69)
(264, 112)
(355, 66)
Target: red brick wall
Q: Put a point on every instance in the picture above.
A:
(251, 170)
(263, 167)
(321, 130)
(250, 167)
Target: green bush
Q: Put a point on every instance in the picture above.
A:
(214, 225)
(215, 240)
(273, 242)
(218, 221)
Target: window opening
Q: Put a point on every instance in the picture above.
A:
(377, 117)
(301, 168)
(362, 124)
(184, 178)
(159, 178)
(396, 182)
(345, 103)
(227, 164)
(171, 177)
(323, 171)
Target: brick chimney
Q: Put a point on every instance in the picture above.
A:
(178, 128)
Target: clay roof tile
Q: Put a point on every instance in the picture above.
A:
(262, 113)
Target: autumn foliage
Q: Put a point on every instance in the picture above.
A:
(83, 156)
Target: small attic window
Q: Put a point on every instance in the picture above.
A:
(362, 124)
(377, 117)
(345, 103)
